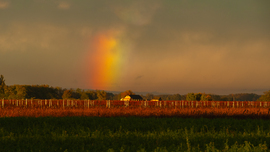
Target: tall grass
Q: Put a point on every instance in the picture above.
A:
(132, 134)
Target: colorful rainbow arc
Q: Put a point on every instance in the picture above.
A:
(104, 61)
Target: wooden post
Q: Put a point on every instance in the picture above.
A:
(88, 104)
(31, 102)
(26, 103)
(50, 103)
(63, 103)
(17, 103)
(108, 104)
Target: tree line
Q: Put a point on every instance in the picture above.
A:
(49, 92)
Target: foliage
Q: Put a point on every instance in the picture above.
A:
(265, 97)
(84, 96)
(206, 97)
(67, 94)
(133, 134)
(172, 97)
(48, 92)
(194, 96)
(191, 97)
(102, 95)
(127, 92)
(2, 86)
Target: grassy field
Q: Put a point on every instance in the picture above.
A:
(133, 134)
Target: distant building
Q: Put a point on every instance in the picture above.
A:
(132, 98)
(156, 99)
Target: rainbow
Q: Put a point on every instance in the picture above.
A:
(104, 61)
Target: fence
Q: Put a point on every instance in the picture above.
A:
(54, 103)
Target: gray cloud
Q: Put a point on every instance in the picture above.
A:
(4, 4)
(167, 46)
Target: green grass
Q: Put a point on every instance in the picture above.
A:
(132, 134)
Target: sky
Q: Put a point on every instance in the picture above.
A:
(164, 46)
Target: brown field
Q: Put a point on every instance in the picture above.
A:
(207, 112)
(110, 108)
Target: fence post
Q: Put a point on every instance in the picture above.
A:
(26, 103)
(108, 105)
(63, 104)
(88, 104)
(145, 104)
(50, 103)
